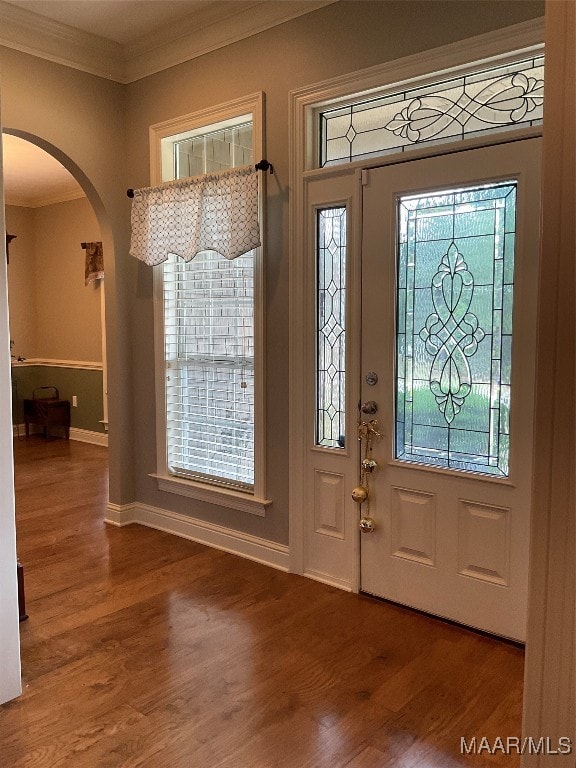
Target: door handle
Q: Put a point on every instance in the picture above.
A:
(370, 407)
(367, 525)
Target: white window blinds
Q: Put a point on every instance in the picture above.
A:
(209, 348)
(212, 212)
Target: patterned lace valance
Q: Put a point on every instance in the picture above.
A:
(215, 212)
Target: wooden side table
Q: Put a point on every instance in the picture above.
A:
(47, 412)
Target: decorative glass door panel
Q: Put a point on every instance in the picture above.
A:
(449, 278)
(330, 326)
(454, 322)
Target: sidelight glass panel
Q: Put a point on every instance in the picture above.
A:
(331, 326)
(454, 327)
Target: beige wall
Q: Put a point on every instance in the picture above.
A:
(334, 40)
(69, 325)
(53, 315)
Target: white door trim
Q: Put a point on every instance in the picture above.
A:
(550, 673)
(10, 685)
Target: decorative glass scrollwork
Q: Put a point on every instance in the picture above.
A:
(451, 333)
(506, 101)
(509, 95)
(331, 327)
(454, 327)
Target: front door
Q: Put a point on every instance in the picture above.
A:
(449, 278)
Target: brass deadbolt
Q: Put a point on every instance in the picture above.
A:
(367, 525)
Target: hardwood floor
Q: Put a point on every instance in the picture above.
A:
(143, 649)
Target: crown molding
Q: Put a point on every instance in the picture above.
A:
(212, 28)
(41, 202)
(203, 33)
(39, 36)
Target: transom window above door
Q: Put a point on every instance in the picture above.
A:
(465, 105)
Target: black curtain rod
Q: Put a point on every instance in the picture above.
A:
(263, 165)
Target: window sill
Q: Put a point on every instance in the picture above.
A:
(223, 497)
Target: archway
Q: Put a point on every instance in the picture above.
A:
(56, 294)
(10, 675)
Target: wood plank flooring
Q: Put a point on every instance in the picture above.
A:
(143, 649)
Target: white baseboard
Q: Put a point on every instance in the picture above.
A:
(80, 435)
(120, 514)
(325, 578)
(87, 436)
(216, 536)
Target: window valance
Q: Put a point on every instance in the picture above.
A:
(214, 212)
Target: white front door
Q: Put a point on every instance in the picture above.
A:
(449, 279)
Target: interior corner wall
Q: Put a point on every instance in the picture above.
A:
(80, 119)
(334, 40)
(20, 222)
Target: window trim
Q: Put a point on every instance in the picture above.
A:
(255, 501)
(495, 48)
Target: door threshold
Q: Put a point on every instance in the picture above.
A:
(466, 627)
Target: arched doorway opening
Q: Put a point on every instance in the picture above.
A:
(56, 293)
(85, 218)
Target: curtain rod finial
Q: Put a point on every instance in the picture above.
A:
(264, 165)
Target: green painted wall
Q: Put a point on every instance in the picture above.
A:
(85, 384)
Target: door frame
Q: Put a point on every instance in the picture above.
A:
(526, 37)
(10, 683)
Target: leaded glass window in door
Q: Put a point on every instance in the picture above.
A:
(454, 327)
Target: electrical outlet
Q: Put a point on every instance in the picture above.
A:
(74, 401)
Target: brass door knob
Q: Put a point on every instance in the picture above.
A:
(370, 406)
(367, 525)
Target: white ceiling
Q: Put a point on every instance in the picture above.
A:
(33, 178)
(122, 40)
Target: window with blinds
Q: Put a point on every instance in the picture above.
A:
(209, 337)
